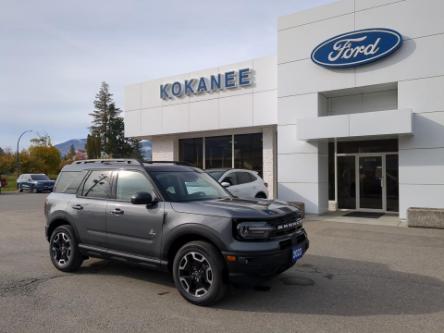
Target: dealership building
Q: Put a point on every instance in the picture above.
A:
(348, 115)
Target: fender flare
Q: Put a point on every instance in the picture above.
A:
(190, 229)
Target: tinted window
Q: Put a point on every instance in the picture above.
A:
(248, 152)
(188, 186)
(245, 177)
(218, 152)
(69, 181)
(131, 182)
(39, 177)
(98, 185)
(191, 151)
(230, 178)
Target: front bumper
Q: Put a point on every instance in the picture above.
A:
(259, 265)
(43, 188)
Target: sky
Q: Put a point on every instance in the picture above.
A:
(54, 54)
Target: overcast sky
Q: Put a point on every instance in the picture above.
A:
(54, 54)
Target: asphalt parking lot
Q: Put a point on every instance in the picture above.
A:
(355, 278)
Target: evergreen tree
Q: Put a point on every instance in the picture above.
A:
(93, 146)
(107, 133)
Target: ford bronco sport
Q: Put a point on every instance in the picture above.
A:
(171, 217)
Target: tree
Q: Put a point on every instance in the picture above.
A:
(42, 156)
(93, 147)
(107, 132)
(7, 162)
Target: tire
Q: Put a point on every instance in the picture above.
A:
(63, 249)
(194, 282)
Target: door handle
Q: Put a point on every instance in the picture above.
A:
(77, 207)
(117, 211)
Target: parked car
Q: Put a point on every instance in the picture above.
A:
(37, 182)
(243, 183)
(170, 217)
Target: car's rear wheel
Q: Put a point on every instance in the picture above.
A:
(198, 272)
(63, 249)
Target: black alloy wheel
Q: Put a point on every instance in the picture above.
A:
(199, 273)
(63, 249)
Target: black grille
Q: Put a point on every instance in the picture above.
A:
(286, 224)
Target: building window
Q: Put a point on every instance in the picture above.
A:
(242, 151)
(218, 152)
(191, 151)
(248, 150)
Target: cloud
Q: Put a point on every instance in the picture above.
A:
(54, 54)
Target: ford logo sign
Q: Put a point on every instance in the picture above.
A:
(357, 48)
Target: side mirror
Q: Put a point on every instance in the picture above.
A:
(225, 184)
(142, 198)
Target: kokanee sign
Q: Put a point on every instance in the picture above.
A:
(357, 48)
(227, 80)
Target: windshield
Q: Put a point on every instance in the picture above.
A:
(216, 174)
(183, 186)
(39, 177)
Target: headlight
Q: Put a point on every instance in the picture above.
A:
(254, 230)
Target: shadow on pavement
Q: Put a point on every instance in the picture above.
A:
(316, 285)
(333, 286)
(132, 271)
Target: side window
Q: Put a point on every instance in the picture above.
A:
(98, 185)
(131, 182)
(69, 181)
(231, 178)
(244, 177)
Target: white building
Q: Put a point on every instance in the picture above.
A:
(365, 137)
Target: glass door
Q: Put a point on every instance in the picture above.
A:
(346, 182)
(371, 182)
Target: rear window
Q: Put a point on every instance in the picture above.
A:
(39, 177)
(69, 181)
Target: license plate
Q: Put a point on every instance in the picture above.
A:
(297, 253)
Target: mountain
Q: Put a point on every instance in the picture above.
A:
(64, 147)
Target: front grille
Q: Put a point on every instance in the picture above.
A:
(286, 224)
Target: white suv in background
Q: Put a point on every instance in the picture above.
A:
(242, 183)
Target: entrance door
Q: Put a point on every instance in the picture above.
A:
(371, 182)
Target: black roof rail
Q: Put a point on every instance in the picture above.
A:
(169, 162)
(110, 161)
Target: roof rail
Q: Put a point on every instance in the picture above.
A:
(110, 161)
(169, 162)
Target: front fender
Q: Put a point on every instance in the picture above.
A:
(190, 229)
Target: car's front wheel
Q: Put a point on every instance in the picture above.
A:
(63, 249)
(198, 272)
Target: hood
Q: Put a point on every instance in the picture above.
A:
(235, 208)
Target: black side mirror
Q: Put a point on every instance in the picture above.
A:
(143, 198)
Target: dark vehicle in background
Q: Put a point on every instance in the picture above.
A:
(37, 182)
(172, 217)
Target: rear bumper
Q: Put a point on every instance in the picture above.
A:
(262, 265)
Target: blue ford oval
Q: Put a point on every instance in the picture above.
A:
(357, 48)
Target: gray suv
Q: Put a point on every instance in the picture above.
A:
(171, 217)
